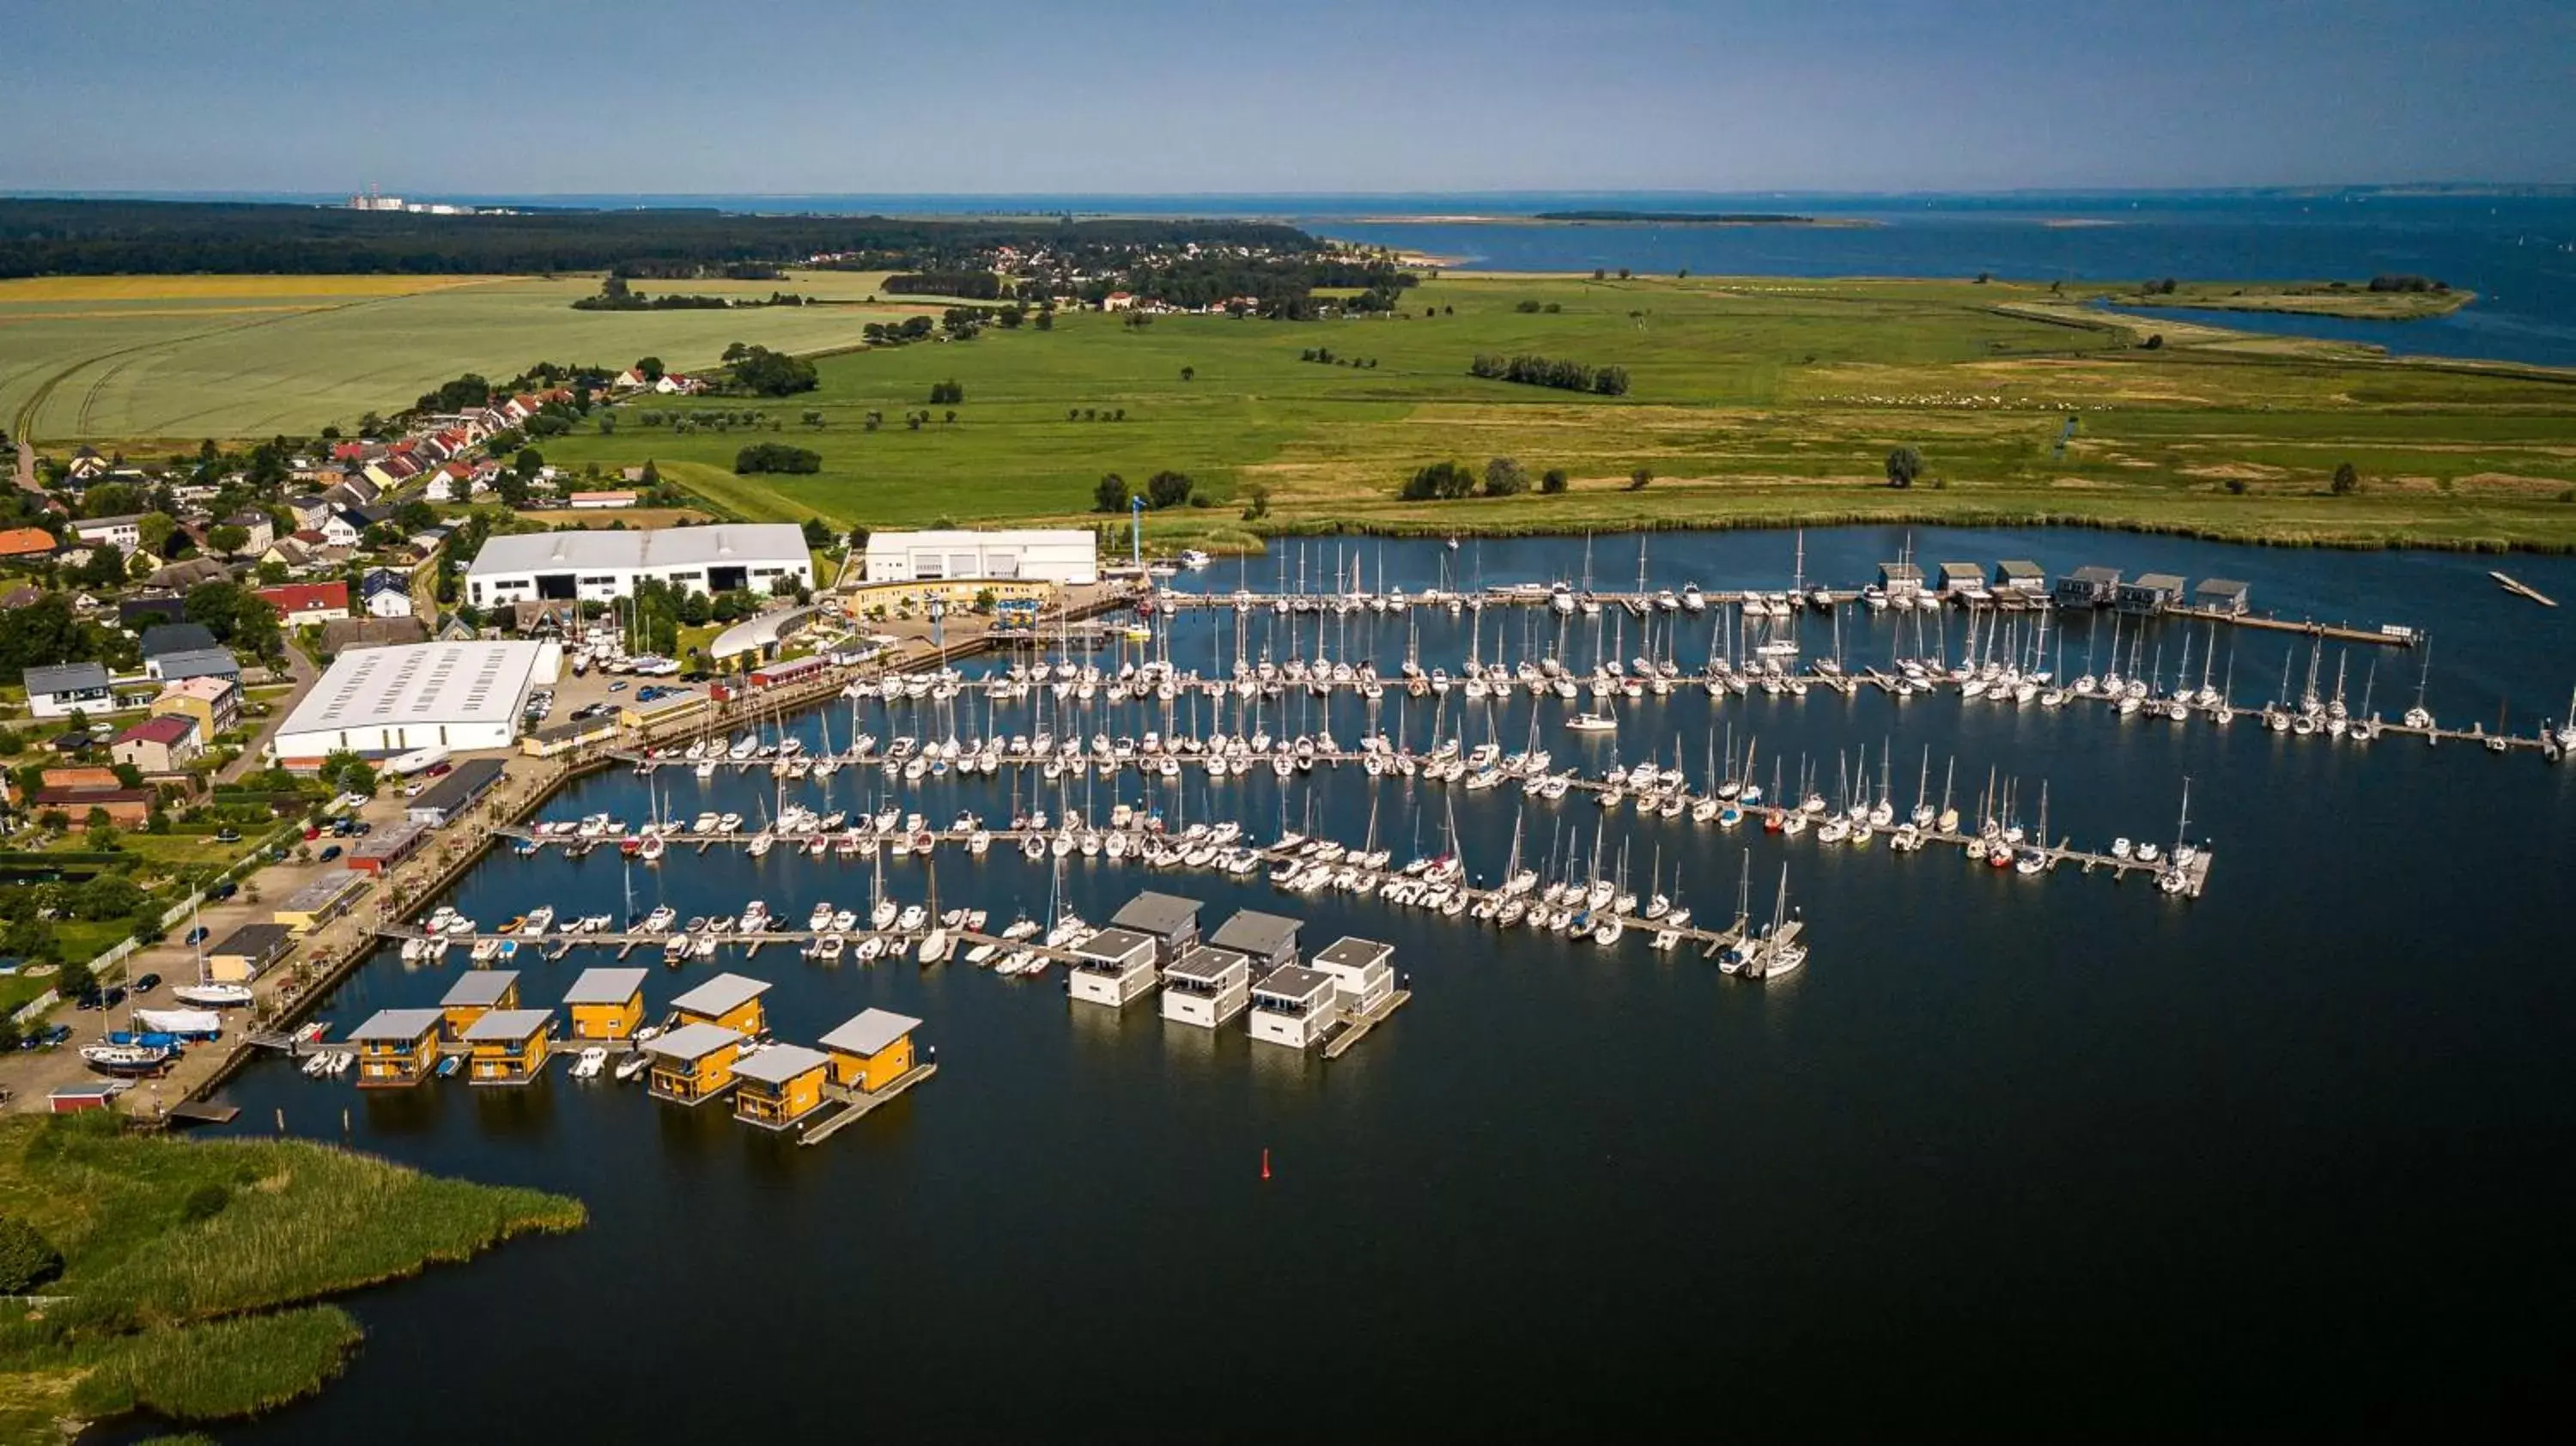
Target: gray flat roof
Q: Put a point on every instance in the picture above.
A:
(324, 890)
(1162, 915)
(1253, 932)
(721, 994)
(67, 678)
(2164, 580)
(256, 940)
(692, 1041)
(780, 1063)
(1294, 981)
(404, 1025)
(421, 685)
(1962, 569)
(724, 544)
(870, 1031)
(1898, 571)
(2226, 585)
(506, 1026)
(1206, 964)
(2018, 567)
(605, 986)
(1113, 944)
(197, 663)
(483, 987)
(459, 788)
(163, 638)
(1349, 953)
(2095, 574)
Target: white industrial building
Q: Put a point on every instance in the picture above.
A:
(378, 701)
(600, 565)
(1062, 555)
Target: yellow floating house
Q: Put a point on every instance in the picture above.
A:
(509, 1046)
(397, 1047)
(606, 1004)
(728, 1000)
(779, 1085)
(872, 1050)
(477, 993)
(693, 1063)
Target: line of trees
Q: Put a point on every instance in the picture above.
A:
(767, 373)
(1448, 481)
(1539, 371)
(972, 285)
(1164, 489)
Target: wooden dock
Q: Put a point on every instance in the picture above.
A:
(855, 1104)
(1358, 1028)
(2523, 589)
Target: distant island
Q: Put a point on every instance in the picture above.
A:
(1691, 218)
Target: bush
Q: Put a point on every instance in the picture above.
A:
(775, 457)
(1439, 482)
(27, 1259)
(1504, 478)
(205, 1202)
(1903, 466)
(1554, 482)
(2347, 480)
(1640, 479)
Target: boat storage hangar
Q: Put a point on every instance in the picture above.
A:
(599, 565)
(379, 701)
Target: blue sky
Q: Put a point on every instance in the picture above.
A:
(782, 96)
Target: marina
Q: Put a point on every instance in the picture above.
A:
(1903, 975)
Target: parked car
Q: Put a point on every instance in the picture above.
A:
(145, 984)
(437, 769)
(228, 835)
(618, 687)
(328, 854)
(312, 832)
(196, 936)
(224, 890)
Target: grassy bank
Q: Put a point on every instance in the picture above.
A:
(2305, 298)
(1753, 402)
(189, 1266)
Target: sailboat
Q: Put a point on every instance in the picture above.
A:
(205, 993)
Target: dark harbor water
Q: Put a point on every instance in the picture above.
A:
(2008, 1152)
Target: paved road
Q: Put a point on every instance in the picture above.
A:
(25, 475)
(301, 669)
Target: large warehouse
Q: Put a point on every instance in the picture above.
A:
(382, 701)
(1066, 555)
(557, 566)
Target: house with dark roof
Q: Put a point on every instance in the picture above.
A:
(57, 692)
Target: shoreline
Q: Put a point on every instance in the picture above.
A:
(1797, 223)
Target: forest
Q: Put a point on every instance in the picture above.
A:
(98, 238)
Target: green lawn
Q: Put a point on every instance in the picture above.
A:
(1764, 401)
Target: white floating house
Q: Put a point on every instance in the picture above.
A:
(1361, 969)
(1206, 986)
(1113, 967)
(1295, 1006)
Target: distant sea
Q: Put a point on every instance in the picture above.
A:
(2518, 252)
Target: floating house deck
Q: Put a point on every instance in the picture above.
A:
(693, 1063)
(779, 1085)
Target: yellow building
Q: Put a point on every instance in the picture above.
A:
(214, 702)
(509, 1046)
(728, 1000)
(693, 1063)
(779, 1085)
(606, 1004)
(397, 1047)
(872, 1051)
(476, 994)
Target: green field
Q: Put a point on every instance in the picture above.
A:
(1753, 402)
(177, 358)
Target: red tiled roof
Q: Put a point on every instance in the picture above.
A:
(161, 728)
(25, 542)
(296, 597)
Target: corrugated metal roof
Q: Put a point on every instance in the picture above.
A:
(721, 994)
(780, 1063)
(727, 544)
(870, 1031)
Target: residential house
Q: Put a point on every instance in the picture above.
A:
(25, 594)
(124, 807)
(214, 702)
(308, 604)
(21, 544)
(341, 634)
(674, 384)
(344, 527)
(261, 528)
(162, 743)
(125, 531)
(291, 553)
(134, 614)
(396, 1047)
(780, 1085)
(475, 993)
(194, 663)
(181, 637)
(187, 573)
(309, 511)
(386, 594)
(872, 1050)
(58, 692)
(509, 1046)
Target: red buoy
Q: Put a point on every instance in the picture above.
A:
(1265, 1162)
